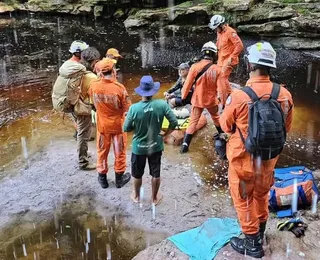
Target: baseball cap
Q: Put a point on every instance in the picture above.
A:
(104, 65)
(183, 66)
(114, 52)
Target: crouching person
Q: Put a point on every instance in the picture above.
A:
(111, 101)
(145, 120)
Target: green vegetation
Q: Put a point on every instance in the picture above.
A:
(10, 2)
(303, 11)
(291, 1)
(186, 4)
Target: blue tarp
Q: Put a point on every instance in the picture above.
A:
(204, 242)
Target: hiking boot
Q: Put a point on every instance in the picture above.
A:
(122, 179)
(102, 179)
(88, 167)
(186, 142)
(262, 229)
(250, 245)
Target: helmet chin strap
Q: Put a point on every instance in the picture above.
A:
(250, 67)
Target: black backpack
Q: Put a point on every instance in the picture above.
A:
(266, 131)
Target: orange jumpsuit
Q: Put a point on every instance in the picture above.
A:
(205, 93)
(111, 101)
(249, 179)
(229, 46)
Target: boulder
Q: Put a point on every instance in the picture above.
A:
(296, 43)
(135, 23)
(306, 24)
(267, 29)
(4, 8)
(118, 14)
(262, 13)
(97, 10)
(238, 5)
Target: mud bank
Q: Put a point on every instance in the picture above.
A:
(52, 182)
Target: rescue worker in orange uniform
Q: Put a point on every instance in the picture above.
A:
(229, 47)
(250, 179)
(208, 78)
(114, 54)
(112, 102)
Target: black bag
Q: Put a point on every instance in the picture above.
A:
(266, 131)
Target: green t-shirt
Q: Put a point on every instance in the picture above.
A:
(145, 119)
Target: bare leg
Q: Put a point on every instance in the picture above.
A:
(156, 196)
(135, 195)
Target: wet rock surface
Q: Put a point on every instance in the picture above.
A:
(277, 244)
(52, 180)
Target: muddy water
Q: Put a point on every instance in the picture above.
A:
(80, 235)
(38, 45)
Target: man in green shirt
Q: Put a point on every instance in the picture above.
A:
(145, 119)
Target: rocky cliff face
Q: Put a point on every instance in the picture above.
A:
(288, 23)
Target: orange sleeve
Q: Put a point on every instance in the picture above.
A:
(227, 119)
(289, 119)
(290, 114)
(126, 102)
(237, 43)
(188, 83)
(224, 89)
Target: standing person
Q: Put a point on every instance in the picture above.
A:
(173, 95)
(82, 109)
(253, 156)
(114, 54)
(76, 48)
(145, 119)
(229, 47)
(205, 77)
(111, 101)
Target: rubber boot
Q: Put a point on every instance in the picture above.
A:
(102, 179)
(262, 229)
(122, 179)
(250, 245)
(186, 142)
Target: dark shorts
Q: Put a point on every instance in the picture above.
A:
(138, 163)
(182, 102)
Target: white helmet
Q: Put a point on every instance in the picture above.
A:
(263, 54)
(215, 21)
(209, 46)
(78, 46)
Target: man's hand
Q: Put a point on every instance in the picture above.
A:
(228, 64)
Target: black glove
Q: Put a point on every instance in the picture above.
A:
(295, 225)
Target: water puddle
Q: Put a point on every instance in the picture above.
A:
(84, 235)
